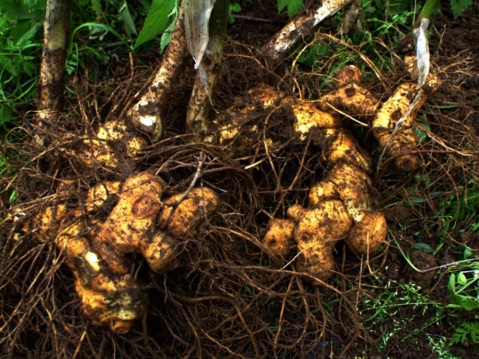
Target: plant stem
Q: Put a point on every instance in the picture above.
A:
(197, 121)
(146, 114)
(52, 69)
(427, 10)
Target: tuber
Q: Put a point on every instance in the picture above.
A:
(337, 145)
(347, 75)
(180, 215)
(308, 115)
(341, 206)
(404, 145)
(239, 125)
(349, 96)
(107, 298)
(99, 194)
(96, 252)
(95, 152)
(352, 98)
(117, 131)
(279, 237)
(353, 187)
(130, 227)
(103, 148)
(368, 234)
(317, 230)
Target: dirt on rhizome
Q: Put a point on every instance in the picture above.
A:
(227, 298)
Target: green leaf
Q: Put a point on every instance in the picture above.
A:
(7, 65)
(313, 54)
(459, 6)
(156, 20)
(459, 336)
(165, 40)
(128, 22)
(21, 28)
(421, 131)
(166, 37)
(467, 253)
(282, 4)
(235, 7)
(16, 10)
(96, 5)
(465, 302)
(3, 21)
(423, 247)
(294, 6)
(28, 66)
(24, 40)
(461, 278)
(13, 196)
(146, 4)
(96, 28)
(452, 283)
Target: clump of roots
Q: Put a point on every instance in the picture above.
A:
(225, 297)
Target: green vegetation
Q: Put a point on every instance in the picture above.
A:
(20, 49)
(234, 8)
(466, 332)
(454, 209)
(293, 6)
(101, 32)
(397, 307)
(459, 6)
(161, 17)
(380, 23)
(463, 286)
(464, 296)
(462, 273)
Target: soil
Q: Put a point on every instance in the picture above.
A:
(228, 299)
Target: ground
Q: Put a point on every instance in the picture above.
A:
(228, 299)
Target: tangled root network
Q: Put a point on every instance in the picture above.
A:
(231, 247)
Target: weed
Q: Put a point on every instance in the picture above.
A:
(397, 309)
(467, 331)
(464, 289)
(464, 295)
(462, 210)
(398, 295)
(4, 166)
(391, 20)
(234, 8)
(439, 345)
(20, 47)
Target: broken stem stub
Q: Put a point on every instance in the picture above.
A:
(52, 68)
(197, 118)
(146, 113)
(300, 27)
